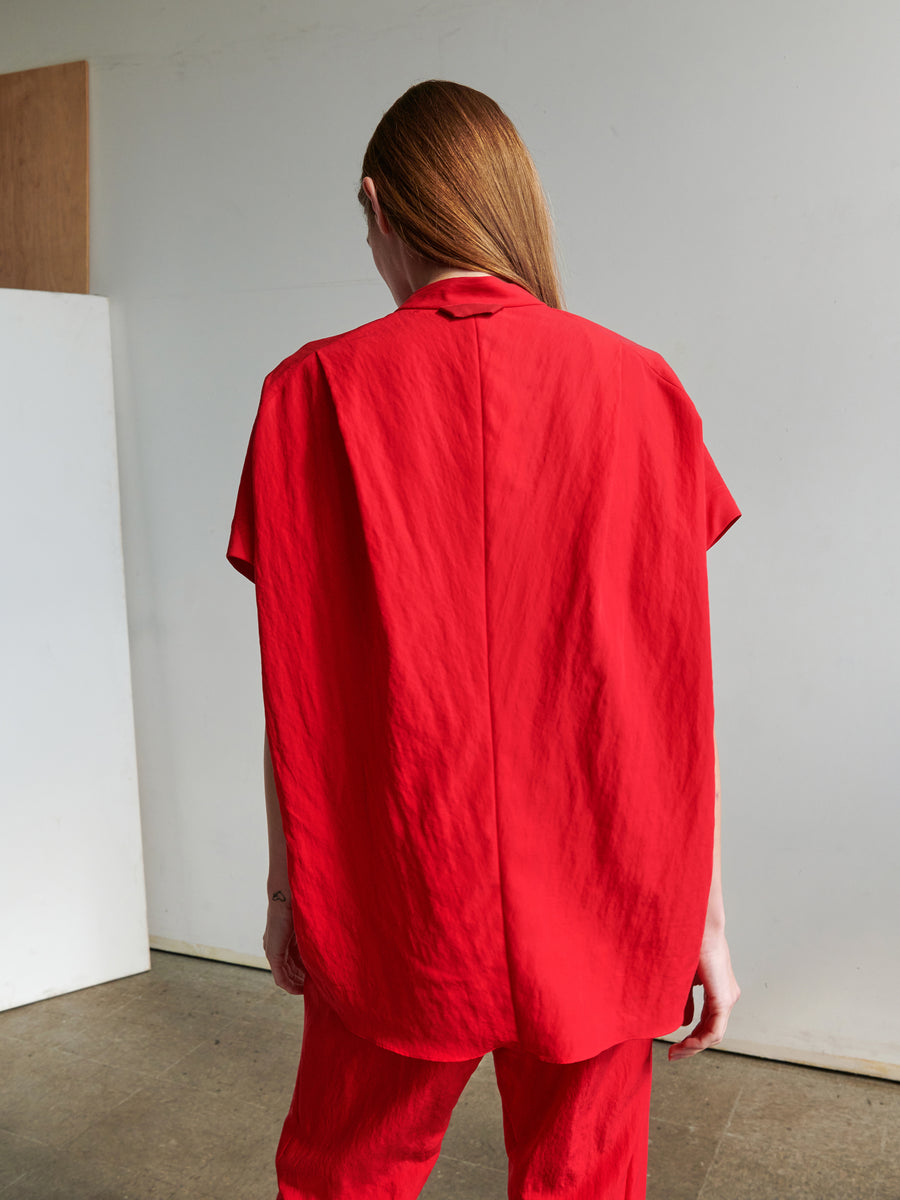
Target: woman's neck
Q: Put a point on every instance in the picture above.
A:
(418, 273)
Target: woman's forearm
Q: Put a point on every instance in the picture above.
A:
(278, 868)
(715, 914)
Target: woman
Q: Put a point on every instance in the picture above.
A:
(477, 529)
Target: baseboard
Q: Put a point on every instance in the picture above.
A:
(196, 950)
(806, 1058)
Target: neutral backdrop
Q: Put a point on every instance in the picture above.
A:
(725, 179)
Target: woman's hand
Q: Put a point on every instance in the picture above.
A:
(720, 994)
(280, 945)
(714, 973)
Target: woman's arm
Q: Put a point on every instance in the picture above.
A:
(714, 973)
(279, 941)
(715, 914)
(279, 883)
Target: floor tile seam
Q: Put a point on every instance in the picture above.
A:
(119, 1007)
(734, 1105)
(292, 1022)
(807, 1125)
(148, 1000)
(204, 1044)
(203, 1091)
(11, 1037)
(6, 1190)
(99, 1116)
(157, 1020)
(251, 1018)
(110, 1066)
(204, 1041)
(468, 1163)
(58, 1048)
(718, 1146)
(798, 1149)
(798, 1152)
(148, 1079)
(85, 1024)
(264, 997)
(97, 1030)
(691, 1127)
(180, 1009)
(16, 1133)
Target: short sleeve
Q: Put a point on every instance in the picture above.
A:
(721, 509)
(242, 543)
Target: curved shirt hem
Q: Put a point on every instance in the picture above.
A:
(575, 1053)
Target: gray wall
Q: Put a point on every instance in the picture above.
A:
(725, 182)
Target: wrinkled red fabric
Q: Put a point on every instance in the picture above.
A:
(478, 530)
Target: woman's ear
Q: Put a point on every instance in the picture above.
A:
(370, 190)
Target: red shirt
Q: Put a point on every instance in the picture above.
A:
(478, 531)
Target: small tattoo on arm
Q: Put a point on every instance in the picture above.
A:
(279, 896)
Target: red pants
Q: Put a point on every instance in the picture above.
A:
(365, 1122)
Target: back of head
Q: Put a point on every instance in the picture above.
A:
(458, 186)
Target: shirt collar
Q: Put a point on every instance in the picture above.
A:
(468, 295)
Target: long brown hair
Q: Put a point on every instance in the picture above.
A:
(458, 186)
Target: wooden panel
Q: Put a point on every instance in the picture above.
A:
(44, 179)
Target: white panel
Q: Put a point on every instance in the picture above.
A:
(71, 875)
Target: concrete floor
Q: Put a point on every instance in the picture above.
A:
(175, 1083)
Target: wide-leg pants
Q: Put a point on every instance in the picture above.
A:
(366, 1123)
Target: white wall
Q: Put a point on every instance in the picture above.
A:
(725, 180)
(72, 906)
